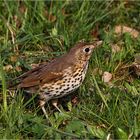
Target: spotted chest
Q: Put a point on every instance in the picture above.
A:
(70, 82)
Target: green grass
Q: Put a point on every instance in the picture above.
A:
(36, 31)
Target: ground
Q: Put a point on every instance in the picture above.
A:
(107, 105)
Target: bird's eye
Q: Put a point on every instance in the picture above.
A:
(87, 50)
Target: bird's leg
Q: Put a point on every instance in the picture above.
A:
(54, 103)
(42, 104)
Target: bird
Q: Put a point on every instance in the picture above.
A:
(59, 77)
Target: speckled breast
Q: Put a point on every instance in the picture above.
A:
(70, 82)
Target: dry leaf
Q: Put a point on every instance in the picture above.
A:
(120, 29)
(106, 77)
(22, 8)
(14, 58)
(8, 68)
(115, 48)
(18, 68)
(95, 32)
(50, 16)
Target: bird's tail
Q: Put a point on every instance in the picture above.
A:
(9, 85)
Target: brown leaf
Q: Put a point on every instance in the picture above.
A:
(13, 58)
(22, 8)
(115, 48)
(95, 32)
(106, 77)
(50, 16)
(8, 68)
(18, 68)
(120, 29)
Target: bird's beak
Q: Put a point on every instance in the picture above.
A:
(96, 44)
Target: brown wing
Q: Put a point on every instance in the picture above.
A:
(35, 80)
(45, 73)
(38, 76)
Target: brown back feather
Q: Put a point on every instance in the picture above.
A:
(44, 73)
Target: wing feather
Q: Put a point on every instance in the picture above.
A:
(44, 73)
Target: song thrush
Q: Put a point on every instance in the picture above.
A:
(59, 77)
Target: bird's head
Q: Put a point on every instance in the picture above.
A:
(82, 51)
